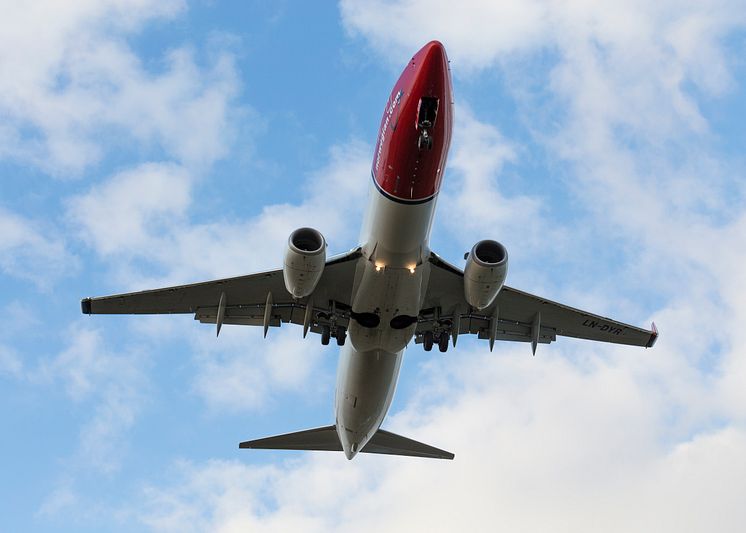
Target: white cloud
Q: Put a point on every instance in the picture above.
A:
(69, 80)
(29, 250)
(475, 32)
(10, 362)
(128, 211)
(113, 385)
(61, 498)
(540, 445)
(472, 205)
(240, 371)
(141, 214)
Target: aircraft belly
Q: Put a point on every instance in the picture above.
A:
(389, 280)
(366, 381)
(389, 293)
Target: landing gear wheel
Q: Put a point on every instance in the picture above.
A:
(424, 142)
(427, 340)
(326, 334)
(443, 342)
(341, 336)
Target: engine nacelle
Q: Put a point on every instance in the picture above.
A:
(485, 272)
(304, 261)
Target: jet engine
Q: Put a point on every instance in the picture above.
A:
(305, 258)
(485, 272)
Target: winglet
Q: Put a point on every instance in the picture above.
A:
(85, 306)
(653, 336)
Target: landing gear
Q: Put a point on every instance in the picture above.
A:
(427, 340)
(443, 342)
(426, 114)
(326, 334)
(341, 336)
(424, 141)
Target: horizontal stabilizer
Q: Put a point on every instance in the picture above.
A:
(325, 438)
(393, 444)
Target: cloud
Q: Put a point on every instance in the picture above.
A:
(32, 251)
(113, 386)
(540, 444)
(243, 372)
(10, 362)
(63, 497)
(129, 210)
(473, 205)
(475, 32)
(71, 87)
(141, 216)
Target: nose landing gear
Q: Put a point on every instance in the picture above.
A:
(424, 141)
(426, 115)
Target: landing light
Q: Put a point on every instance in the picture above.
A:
(379, 267)
(411, 269)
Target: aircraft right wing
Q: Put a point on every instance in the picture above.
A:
(515, 315)
(253, 300)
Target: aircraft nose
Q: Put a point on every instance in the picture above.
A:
(431, 64)
(435, 51)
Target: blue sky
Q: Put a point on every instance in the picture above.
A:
(146, 143)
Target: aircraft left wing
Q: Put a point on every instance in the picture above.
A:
(514, 316)
(244, 300)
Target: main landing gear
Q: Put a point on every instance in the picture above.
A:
(339, 333)
(429, 339)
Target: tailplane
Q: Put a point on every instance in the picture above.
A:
(325, 438)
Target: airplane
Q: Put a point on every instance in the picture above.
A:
(389, 290)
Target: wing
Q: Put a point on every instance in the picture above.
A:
(515, 315)
(244, 299)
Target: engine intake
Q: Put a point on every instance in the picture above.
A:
(305, 258)
(485, 273)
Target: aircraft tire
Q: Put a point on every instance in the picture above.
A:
(326, 334)
(443, 342)
(427, 341)
(341, 336)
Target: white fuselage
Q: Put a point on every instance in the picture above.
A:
(392, 275)
(390, 281)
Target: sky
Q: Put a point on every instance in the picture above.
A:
(146, 143)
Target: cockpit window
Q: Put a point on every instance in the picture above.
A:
(427, 112)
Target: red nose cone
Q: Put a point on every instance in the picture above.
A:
(416, 129)
(431, 65)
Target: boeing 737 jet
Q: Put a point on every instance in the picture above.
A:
(391, 289)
